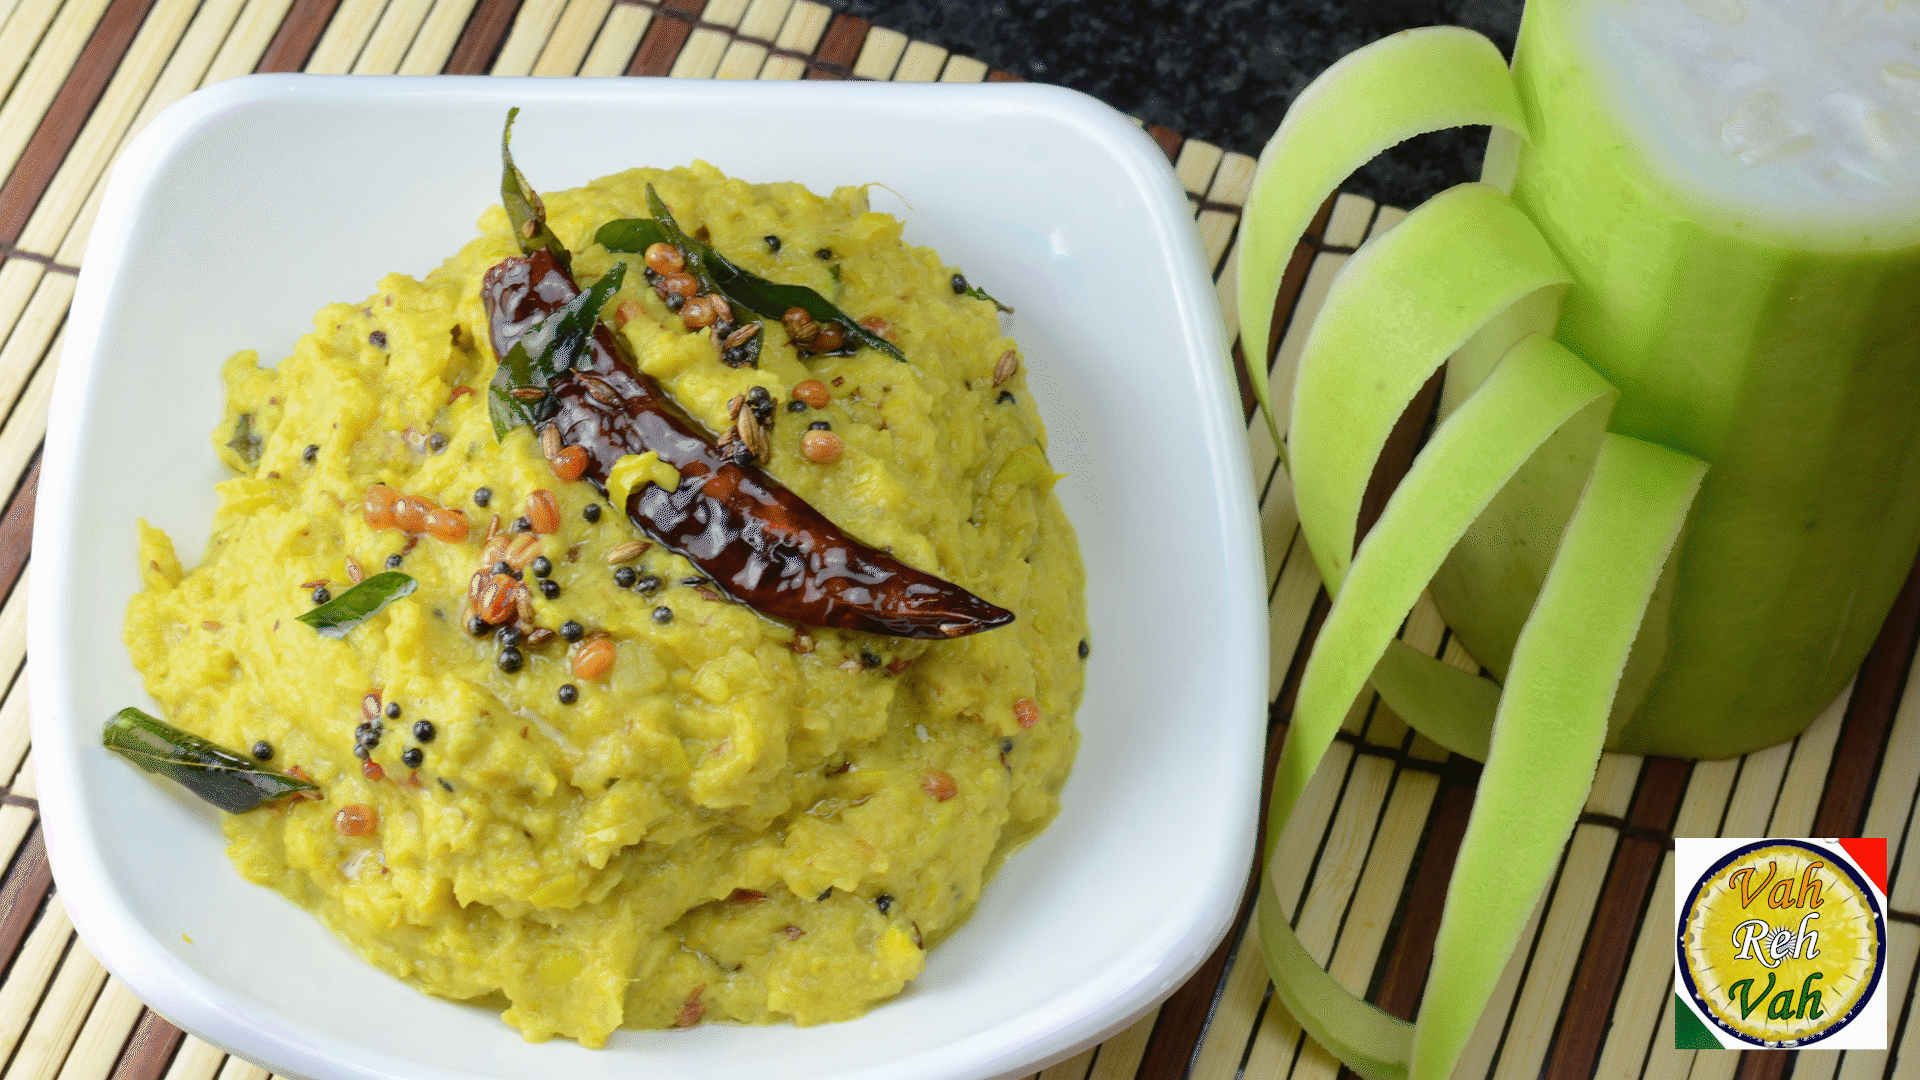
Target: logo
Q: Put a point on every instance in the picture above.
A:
(1781, 944)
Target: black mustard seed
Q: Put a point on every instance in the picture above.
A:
(423, 730)
(823, 253)
(826, 894)
(522, 524)
(568, 693)
(508, 637)
(482, 496)
(412, 756)
(542, 566)
(675, 301)
(394, 560)
(663, 614)
(510, 660)
(959, 284)
(310, 453)
(571, 631)
(478, 626)
(591, 513)
(773, 243)
(263, 750)
(796, 405)
(1005, 397)
(393, 710)
(647, 585)
(624, 577)
(378, 339)
(550, 589)
(819, 425)
(883, 902)
(321, 595)
(438, 441)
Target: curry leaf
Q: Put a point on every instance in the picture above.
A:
(525, 209)
(228, 780)
(979, 293)
(244, 441)
(362, 602)
(555, 345)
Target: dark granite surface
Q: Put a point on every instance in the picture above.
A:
(1219, 70)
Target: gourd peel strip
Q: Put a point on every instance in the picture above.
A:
(1534, 391)
(1452, 707)
(1403, 305)
(1550, 727)
(1385, 93)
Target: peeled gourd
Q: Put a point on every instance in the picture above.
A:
(1676, 484)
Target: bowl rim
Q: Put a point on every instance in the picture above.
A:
(107, 923)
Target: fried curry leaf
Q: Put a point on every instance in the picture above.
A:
(230, 781)
(558, 344)
(362, 602)
(244, 441)
(525, 209)
(979, 293)
(717, 273)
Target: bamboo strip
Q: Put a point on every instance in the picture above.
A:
(106, 127)
(880, 54)
(106, 1031)
(1756, 791)
(572, 36)
(1342, 855)
(48, 55)
(727, 13)
(1663, 1060)
(39, 958)
(13, 653)
(1234, 1014)
(1872, 1065)
(25, 783)
(20, 30)
(1279, 524)
(1648, 982)
(1119, 1057)
(435, 42)
(27, 345)
(239, 1069)
(531, 28)
(619, 38)
(743, 60)
(247, 40)
(1289, 609)
(21, 436)
(1195, 165)
(57, 1023)
(1388, 865)
(15, 823)
(1074, 1068)
(1226, 286)
(1705, 802)
(346, 34)
(392, 36)
(1583, 873)
(1806, 779)
(1274, 1046)
(1316, 1062)
(921, 62)
(1613, 784)
(1816, 1064)
(1712, 1066)
(764, 18)
(1478, 1056)
(963, 69)
(700, 57)
(13, 728)
(1304, 829)
(196, 1060)
(805, 24)
(203, 41)
(19, 278)
(1893, 792)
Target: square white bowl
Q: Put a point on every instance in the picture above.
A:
(244, 208)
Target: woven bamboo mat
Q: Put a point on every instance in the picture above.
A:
(1374, 839)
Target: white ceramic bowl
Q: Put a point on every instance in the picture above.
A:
(243, 209)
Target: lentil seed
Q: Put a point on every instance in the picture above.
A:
(594, 659)
(358, 819)
(813, 392)
(543, 511)
(821, 447)
(664, 258)
(1025, 712)
(830, 338)
(939, 784)
(698, 311)
(570, 463)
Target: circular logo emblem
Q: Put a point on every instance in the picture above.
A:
(1781, 943)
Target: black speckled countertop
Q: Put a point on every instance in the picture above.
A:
(1219, 70)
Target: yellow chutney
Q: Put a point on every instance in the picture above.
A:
(739, 820)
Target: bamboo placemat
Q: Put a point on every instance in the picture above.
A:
(1371, 847)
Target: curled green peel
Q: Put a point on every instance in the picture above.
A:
(1534, 391)
(1548, 732)
(1389, 322)
(1406, 85)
